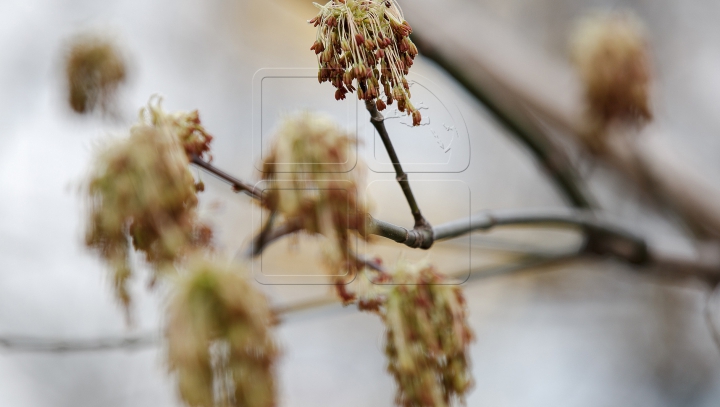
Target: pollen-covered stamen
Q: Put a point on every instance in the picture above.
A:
(362, 44)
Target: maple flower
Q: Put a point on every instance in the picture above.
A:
(427, 337)
(185, 126)
(141, 191)
(94, 69)
(611, 55)
(364, 46)
(305, 153)
(219, 343)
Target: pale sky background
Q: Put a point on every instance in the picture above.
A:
(586, 333)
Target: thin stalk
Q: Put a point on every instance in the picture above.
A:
(424, 239)
(237, 185)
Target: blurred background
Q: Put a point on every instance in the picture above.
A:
(581, 332)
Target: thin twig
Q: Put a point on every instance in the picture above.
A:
(424, 238)
(35, 344)
(270, 235)
(237, 185)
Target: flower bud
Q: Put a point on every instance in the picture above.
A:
(380, 104)
(94, 69)
(417, 118)
(610, 53)
(348, 77)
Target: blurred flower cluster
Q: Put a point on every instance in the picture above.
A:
(363, 46)
(427, 331)
(304, 184)
(184, 125)
(611, 55)
(141, 190)
(427, 337)
(94, 68)
(218, 338)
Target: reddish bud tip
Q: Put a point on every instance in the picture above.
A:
(380, 105)
(417, 118)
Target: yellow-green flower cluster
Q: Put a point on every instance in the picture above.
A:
(364, 46)
(610, 53)
(94, 69)
(141, 190)
(218, 338)
(305, 185)
(427, 338)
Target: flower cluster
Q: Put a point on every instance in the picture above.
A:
(185, 125)
(305, 187)
(141, 190)
(94, 69)
(363, 46)
(218, 337)
(427, 337)
(610, 53)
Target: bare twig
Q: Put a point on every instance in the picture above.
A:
(270, 235)
(423, 238)
(237, 185)
(52, 345)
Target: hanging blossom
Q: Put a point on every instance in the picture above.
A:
(611, 55)
(364, 46)
(219, 343)
(427, 337)
(427, 333)
(141, 192)
(94, 69)
(305, 187)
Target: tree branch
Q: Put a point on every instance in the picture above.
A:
(512, 117)
(602, 237)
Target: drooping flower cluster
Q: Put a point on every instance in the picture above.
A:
(218, 338)
(305, 185)
(427, 338)
(141, 190)
(610, 53)
(94, 69)
(364, 46)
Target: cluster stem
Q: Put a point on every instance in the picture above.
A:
(423, 230)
